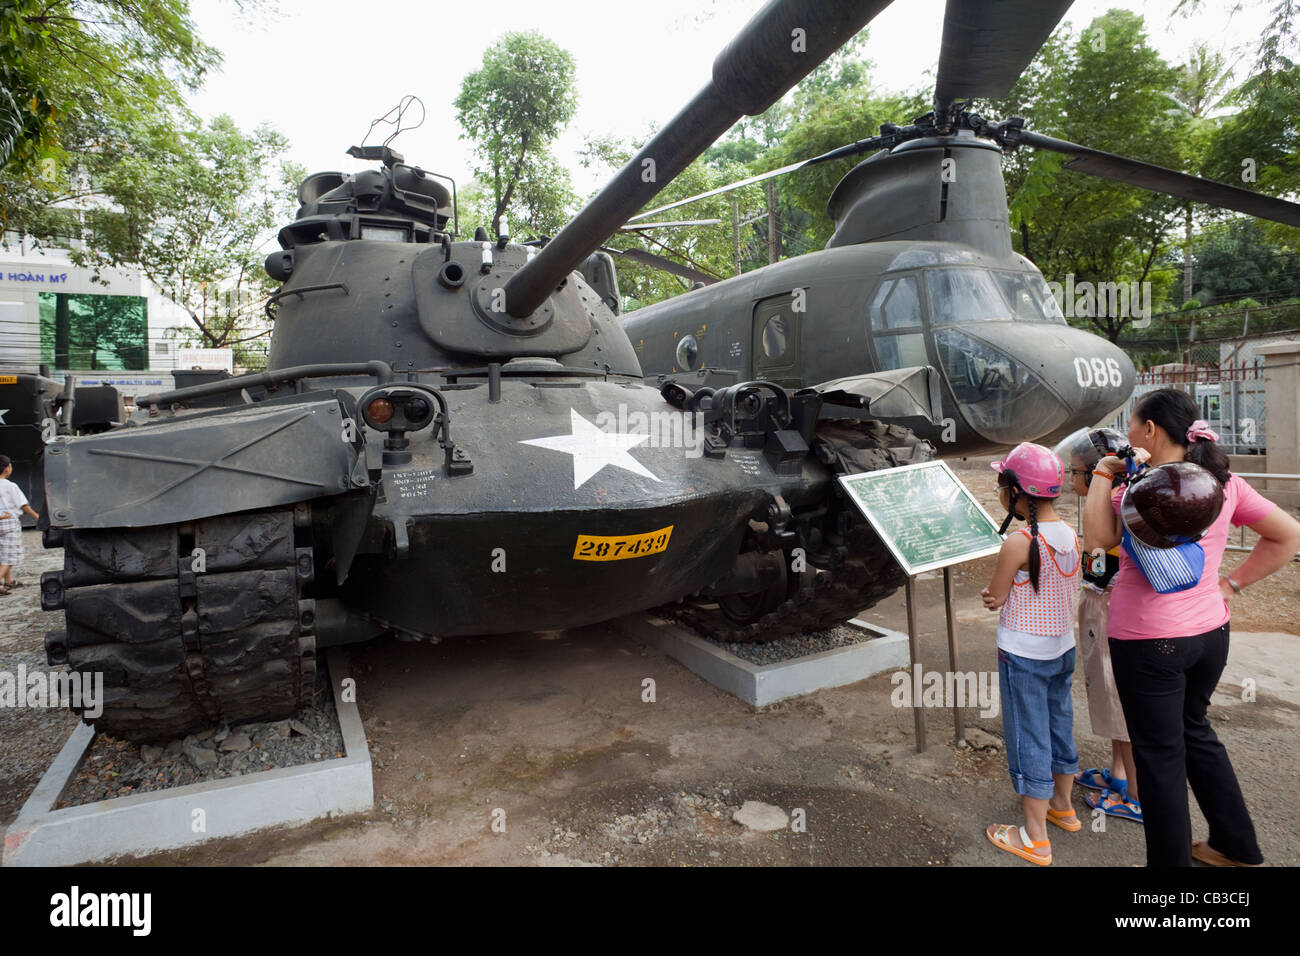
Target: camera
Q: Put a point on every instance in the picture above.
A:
(1106, 445)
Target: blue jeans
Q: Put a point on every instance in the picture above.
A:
(1037, 720)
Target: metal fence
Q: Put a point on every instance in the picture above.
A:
(1226, 379)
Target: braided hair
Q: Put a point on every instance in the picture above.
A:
(1007, 479)
(1035, 561)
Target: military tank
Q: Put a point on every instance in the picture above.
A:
(452, 438)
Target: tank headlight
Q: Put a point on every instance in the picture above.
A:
(380, 411)
(417, 411)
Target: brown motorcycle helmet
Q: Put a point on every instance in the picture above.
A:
(1171, 504)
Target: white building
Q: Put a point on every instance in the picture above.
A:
(52, 312)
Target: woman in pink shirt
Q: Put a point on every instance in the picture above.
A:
(1169, 650)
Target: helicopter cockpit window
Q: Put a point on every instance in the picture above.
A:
(965, 295)
(1001, 398)
(1051, 307)
(896, 305)
(1029, 302)
(901, 351)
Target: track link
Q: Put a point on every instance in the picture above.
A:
(869, 574)
(190, 625)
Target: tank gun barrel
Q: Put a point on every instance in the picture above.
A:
(783, 43)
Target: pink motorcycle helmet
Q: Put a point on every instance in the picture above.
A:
(1034, 469)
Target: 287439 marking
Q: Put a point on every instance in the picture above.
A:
(591, 547)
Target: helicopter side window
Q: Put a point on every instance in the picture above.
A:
(775, 338)
(965, 295)
(896, 305)
(901, 351)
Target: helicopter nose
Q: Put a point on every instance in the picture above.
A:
(1017, 381)
(1093, 376)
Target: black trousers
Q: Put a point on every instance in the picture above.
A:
(1164, 687)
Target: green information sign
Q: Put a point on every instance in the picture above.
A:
(925, 515)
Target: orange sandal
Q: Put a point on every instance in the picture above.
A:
(1001, 838)
(1065, 819)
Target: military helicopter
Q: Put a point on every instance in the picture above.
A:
(920, 270)
(438, 448)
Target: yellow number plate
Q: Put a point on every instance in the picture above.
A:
(591, 547)
(8, 379)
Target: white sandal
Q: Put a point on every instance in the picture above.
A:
(1001, 838)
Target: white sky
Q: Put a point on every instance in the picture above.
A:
(321, 70)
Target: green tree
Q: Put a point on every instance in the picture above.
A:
(1235, 260)
(707, 248)
(115, 57)
(511, 109)
(193, 211)
(818, 125)
(1109, 89)
(1204, 83)
(1258, 147)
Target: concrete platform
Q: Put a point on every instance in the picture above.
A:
(186, 816)
(762, 684)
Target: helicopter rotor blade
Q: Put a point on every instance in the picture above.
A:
(783, 43)
(749, 181)
(667, 265)
(852, 149)
(637, 227)
(987, 44)
(1120, 169)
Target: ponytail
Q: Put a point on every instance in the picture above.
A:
(1210, 456)
(1174, 411)
(1034, 560)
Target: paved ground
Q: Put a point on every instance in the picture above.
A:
(549, 734)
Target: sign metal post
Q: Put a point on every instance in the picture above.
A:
(929, 520)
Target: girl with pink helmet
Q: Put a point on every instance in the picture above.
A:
(1035, 586)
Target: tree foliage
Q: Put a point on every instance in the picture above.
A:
(511, 109)
(193, 209)
(1109, 89)
(116, 58)
(707, 248)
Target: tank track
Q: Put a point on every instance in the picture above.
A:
(867, 576)
(183, 644)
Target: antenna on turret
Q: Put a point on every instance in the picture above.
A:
(397, 118)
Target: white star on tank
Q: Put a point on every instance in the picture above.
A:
(592, 449)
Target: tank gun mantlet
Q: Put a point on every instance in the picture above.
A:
(470, 277)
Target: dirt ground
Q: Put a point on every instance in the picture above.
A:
(549, 734)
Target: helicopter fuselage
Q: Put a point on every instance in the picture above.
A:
(1008, 376)
(920, 271)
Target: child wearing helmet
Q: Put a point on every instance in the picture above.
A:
(1116, 789)
(1035, 586)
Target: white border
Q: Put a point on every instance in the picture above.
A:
(893, 547)
(160, 820)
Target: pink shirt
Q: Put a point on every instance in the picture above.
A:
(1138, 612)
